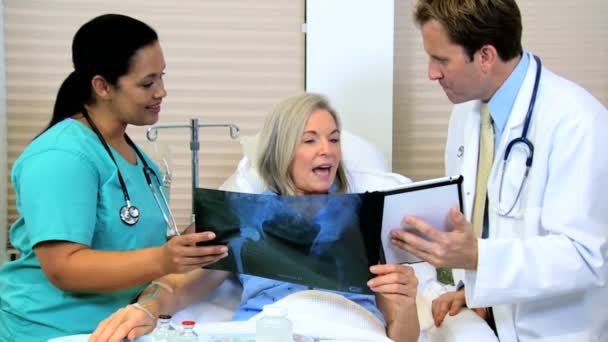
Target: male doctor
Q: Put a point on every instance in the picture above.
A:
(532, 244)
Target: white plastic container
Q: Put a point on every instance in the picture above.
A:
(274, 325)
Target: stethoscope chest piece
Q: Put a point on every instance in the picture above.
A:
(129, 214)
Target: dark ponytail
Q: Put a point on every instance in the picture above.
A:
(71, 97)
(103, 46)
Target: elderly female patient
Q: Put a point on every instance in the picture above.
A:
(299, 154)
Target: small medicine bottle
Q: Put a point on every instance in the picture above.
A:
(164, 332)
(187, 333)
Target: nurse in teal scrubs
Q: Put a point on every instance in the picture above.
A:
(90, 234)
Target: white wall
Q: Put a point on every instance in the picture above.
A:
(349, 58)
(3, 143)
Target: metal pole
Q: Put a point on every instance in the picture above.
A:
(194, 147)
(152, 135)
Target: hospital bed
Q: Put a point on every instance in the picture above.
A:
(316, 313)
(320, 314)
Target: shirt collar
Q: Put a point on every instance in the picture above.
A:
(501, 103)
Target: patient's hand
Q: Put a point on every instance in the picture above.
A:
(452, 302)
(128, 322)
(395, 287)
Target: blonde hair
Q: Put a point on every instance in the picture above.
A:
(281, 135)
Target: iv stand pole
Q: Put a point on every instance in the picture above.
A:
(152, 135)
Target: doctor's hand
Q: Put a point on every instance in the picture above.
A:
(181, 254)
(456, 248)
(128, 322)
(451, 302)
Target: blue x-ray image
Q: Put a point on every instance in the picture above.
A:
(322, 241)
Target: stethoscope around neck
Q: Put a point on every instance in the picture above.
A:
(522, 140)
(129, 213)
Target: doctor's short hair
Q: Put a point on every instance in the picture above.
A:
(280, 136)
(475, 23)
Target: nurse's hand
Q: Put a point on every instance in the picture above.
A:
(181, 254)
(451, 302)
(395, 287)
(128, 322)
(456, 248)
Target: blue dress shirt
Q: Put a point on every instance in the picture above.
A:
(501, 103)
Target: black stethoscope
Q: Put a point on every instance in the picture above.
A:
(523, 140)
(129, 214)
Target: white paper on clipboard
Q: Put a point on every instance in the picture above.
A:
(428, 200)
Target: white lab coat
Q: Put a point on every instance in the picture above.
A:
(544, 271)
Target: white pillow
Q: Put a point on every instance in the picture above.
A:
(365, 166)
(359, 154)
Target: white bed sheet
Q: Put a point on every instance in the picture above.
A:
(214, 313)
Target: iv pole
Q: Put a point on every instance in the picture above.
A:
(152, 135)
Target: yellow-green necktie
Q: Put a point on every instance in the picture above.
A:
(484, 165)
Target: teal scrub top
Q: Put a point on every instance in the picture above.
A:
(68, 189)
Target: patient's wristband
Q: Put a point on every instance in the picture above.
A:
(157, 285)
(144, 309)
(156, 291)
(163, 285)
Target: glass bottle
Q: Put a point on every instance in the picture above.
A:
(274, 325)
(187, 333)
(164, 332)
